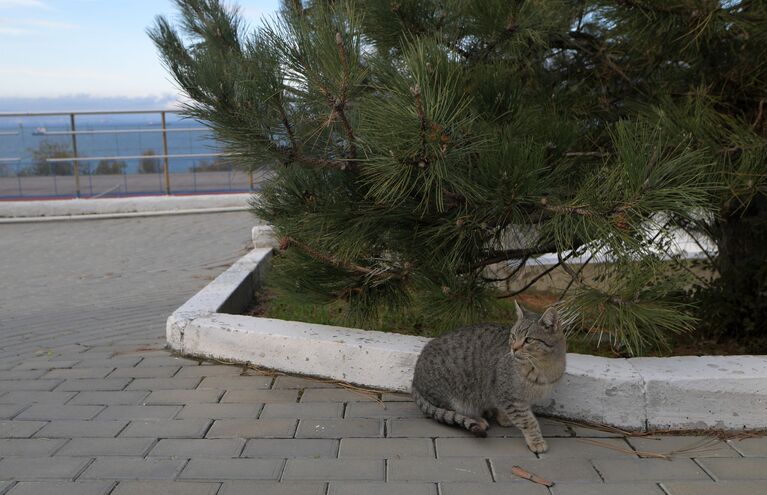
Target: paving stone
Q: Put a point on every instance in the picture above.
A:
(220, 411)
(582, 431)
(493, 489)
(314, 410)
(183, 396)
(262, 396)
(29, 447)
(710, 488)
(423, 427)
(9, 411)
(741, 469)
(271, 488)
(289, 382)
(233, 469)
(396, 397)
(133, 372)
(333, 395)
(34, 468)
(47, 412)
(108, 362)
(108, 398)
(81, 384)
(78, 428)
(382, 410)
(341, 488)
(386, 448)
(187, 448)
(482, 447)
(606, 489)
(22, 374)
(554, 469)
(21, 397)
(45, 364)
(61, 488)
(139, 412)
(132, 468)
(79, 373)
(214, 370)
(94, 447)
(613, 470)
(167, 428)
(163, 359)
(252, 428)
(291, 448)
(334, 469)
(463, 469)
(163, 383)
(587, 447)
(750, 447)
(11, 385)
(165, 488)
(682, 446)
(339, 428)
(255, 382)
(19, 429)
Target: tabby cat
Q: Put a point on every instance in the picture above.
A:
(481, 371)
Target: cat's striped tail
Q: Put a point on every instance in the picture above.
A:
(478, 426)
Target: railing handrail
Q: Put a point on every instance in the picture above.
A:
(127, 131)
(133, 157)
(85, 112)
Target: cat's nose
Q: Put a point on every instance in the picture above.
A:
(517, 345)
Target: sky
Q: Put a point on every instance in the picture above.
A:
(56, 54)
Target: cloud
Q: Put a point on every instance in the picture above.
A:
(25, 27)
(13, 31)
(85, 102)
(38, 4)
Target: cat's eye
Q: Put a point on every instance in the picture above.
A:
(529, 340)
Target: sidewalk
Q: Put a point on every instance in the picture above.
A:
(91, 403)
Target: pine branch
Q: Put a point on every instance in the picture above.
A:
(330, 260)
(340, 102)
(494, 257)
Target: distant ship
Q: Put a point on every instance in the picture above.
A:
(40, 131)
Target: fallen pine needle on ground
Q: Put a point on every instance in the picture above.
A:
(527, 475)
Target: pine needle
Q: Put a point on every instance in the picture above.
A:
(527, 475)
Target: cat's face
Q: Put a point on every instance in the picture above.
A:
(537, 339)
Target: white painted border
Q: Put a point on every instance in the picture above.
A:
(61, 209)
(723, 392)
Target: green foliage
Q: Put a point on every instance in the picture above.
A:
(109, 167)
(50, 149)
(417, 143)
(148, 164)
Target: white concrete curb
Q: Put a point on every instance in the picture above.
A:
(70, 208)
(722, 392)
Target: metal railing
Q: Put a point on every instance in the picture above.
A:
(64, 156)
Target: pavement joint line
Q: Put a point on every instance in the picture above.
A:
(703, 468)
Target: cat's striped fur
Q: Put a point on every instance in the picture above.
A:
(482, 371)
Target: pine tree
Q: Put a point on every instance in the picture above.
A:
(419, 143)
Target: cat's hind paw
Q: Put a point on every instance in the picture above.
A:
(537, 445)
(479, 428)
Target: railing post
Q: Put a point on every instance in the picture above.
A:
(250, 178)
(166, 172)
(75, 163)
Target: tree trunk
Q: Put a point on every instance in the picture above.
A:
(741, 237)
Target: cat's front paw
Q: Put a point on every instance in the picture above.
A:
(537, 445)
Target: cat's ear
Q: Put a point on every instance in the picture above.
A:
(550, 319)
(520, 312)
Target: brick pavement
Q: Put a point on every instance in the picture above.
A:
(91, 403)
